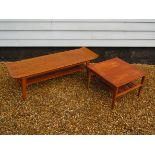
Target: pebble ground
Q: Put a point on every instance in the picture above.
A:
(65, 106)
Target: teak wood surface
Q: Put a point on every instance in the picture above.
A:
(119, 75)
(41, 68)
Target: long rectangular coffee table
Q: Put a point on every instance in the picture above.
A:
(41, 68)
(119, 75)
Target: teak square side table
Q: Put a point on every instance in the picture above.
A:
(119, 75)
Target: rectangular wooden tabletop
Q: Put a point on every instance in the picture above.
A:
(116, 71)
(51, 62)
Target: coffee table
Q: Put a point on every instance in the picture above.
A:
(41, 68)
(119, 75)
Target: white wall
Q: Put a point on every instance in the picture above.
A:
(99, 33)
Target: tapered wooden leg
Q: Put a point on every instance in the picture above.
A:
(88, 74)
(18, 82)
(142, 81)
(114, 97)
(88, 77)
(24, 88)
(87, 70)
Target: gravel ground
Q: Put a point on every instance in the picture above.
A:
(65, 106)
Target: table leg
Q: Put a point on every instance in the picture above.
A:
(18, 82)
(142, 81)
(88, 77)
(114, 97)
(87, 70)
(24, 88)
(88, 74)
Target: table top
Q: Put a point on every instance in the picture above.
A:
(116, 71)
(51, 62)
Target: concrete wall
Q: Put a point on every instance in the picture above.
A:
(73, 33)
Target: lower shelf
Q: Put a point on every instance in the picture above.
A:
(127, 88)
(50, 75)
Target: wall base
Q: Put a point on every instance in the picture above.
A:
(130, 54)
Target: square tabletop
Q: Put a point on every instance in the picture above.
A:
(116, 71)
